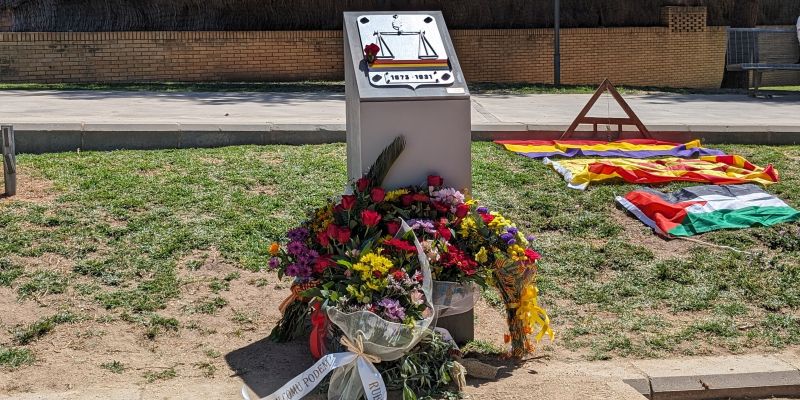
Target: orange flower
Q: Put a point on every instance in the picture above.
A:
(507, 338)
(274, 248)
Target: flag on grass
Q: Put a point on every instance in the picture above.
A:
(722, 170)
(699, 209)
(630, 148)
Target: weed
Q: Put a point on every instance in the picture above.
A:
(152, 376)
(210, 306)
(27, 334)
(12, 357)
(114, 366)
(208, 369)
(42, 283)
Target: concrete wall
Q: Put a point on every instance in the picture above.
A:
(681, 54)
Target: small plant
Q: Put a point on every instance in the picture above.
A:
(208, 369)
(14, 357)
(34, 331)
(482, 347)
(158, 324)
(9, 272)
(210, 306)
(43, 283)
(166, 374)
(114, 366)
(211, 353)
(242, 318)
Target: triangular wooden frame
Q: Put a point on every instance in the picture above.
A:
(632, 119)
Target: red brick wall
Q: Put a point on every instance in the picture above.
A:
(628, 56)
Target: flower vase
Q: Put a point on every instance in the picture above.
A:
(455, 308)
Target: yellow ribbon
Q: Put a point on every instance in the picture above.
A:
(357, 347)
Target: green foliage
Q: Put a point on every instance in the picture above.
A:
(9, 272)
(425, 372)
(27, 334)
(152, 376)
(42, 283)
(114, 366)
(13, 357)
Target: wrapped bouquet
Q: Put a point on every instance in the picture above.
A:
(363, 267)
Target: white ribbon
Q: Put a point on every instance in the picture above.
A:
(303, 384)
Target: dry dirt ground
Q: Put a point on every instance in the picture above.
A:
(209, 355)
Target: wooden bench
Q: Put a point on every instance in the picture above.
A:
(745, 48)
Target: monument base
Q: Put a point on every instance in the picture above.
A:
(461, 326)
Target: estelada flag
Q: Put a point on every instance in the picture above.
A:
(628, 148)
(700, 209)
(720, 170)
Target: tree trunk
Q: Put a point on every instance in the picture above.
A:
(745, 15)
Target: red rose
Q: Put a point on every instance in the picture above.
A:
(440, 207)
(421, 197)
(392, 227)
(435, 180)
(377, 194)
(362, 184)
(407, 199)
(342, 235)
(462, 210)
(322, 263)
(371, 52)
(370, 218)
(444, 231)
(401, 245)
(532, 255)
(399, 275)
(323, 238)
(487, 218)
(348, 201)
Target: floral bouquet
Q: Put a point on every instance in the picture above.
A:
(363, 267)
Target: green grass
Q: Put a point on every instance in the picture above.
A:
(26, 334)
(12, 357)
(131, 222)
(114, 366)
(167, 374)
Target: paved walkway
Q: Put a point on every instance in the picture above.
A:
(48, 121)
(659, 111)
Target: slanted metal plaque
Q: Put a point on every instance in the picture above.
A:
(411, 50)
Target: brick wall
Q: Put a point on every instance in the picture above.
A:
(779, 48)
(628, 56)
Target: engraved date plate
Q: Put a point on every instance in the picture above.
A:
(411, 50)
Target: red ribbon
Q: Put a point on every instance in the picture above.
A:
(319, 331)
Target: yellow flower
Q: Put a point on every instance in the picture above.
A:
(499, 223)
(373, 268)
(482, 256)
(395, 194)
(468, 226)
(274, 248)
(517, 252)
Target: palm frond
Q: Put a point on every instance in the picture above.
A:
(378, 171)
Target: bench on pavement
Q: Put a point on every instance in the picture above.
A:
(759, 50)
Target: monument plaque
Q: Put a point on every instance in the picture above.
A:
(403, 78)
(412, 85)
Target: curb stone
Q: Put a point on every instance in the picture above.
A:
(58, 137)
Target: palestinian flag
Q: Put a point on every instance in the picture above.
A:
(700, 209)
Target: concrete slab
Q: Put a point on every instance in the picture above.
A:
(48, 138)
(130, 136)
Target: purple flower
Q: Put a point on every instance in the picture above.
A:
(531, 238)
(392, 309)
(424, 224)
(293, 270)
(512, 230)
(299, 234)
(307, 257)
(511, 242)
(482, 210)
(274, 262)
(295, 248)
(507, 237)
